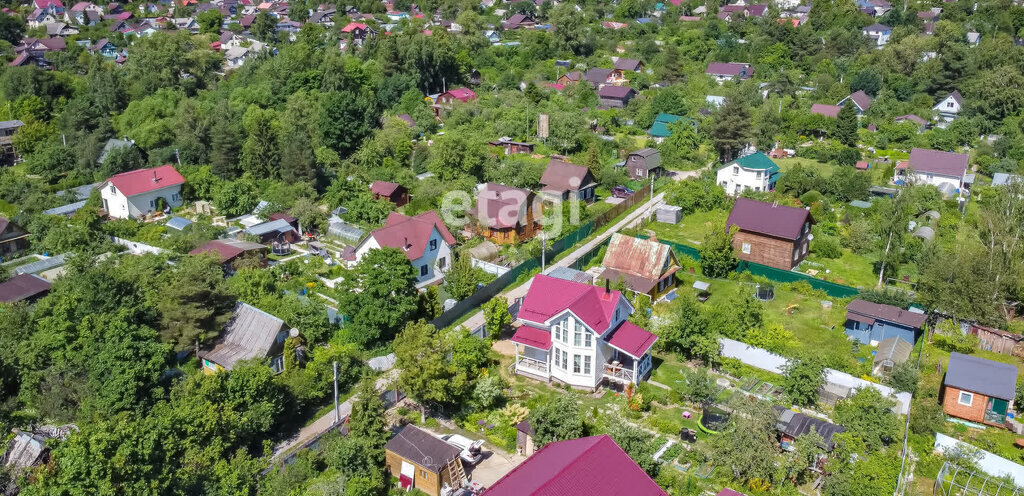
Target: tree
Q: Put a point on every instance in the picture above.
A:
(868, 81)
(807, 449)
(11, 29)
(310, 216)
(802, 378)
(460, 281)
(846, 124)
(235, 198)
(868, 416)
(716, 253)
(557, 420)
(224, 146)
(904, 377)
(699, 387)
(421, 357)
(194, 302)
(210, 21)
(730, 128)
(260, 152)
(636, 442)
(749, 446)
(387, 296)
(770, 336)
(264, 27)
(496, 316)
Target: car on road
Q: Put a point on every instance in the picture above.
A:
(621, 192)
(471, 452)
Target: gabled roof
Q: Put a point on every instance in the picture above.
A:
(499, 206)
(887, 313)
(462, 94)
(768, 218)
(624, 64)
(597, 75)
(352, 26)
(422, 448)
(895, 348)
(744, 71)
(141, 181)
(279, 226)
(562, 176)
(755, 161)
(632, 339)
(548, 297)
(912, 118)
(615, 91)
(250, 333)
(795, 424)
(978, 375)
(226, 249)
(860, 99)
(825, 109)
(955, 95)
(411, 234)
(384, 188)
(22, 287)
(644, 258)
(594, 466)
(938, 162)
(878, 27)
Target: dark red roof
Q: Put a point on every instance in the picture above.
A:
(592, 466)
(499, 206)
(632, 339)
(282, 215)
(938, 162)
(411, 234)
(384, 188)
(144, 180)
(549, 297)
(729, 492)
(22, 287)
(533, 337)
(768, 218)
(826, 110)
(861, 99)
(887, 313)
(461, 94)
(614, 91)
(745, 71)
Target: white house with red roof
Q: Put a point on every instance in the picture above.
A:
(134, 194)
(578, 334)
(594, 466)
(947, 171)
(426, 241)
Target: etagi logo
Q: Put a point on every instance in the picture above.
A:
(500, 206)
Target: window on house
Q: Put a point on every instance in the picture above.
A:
(423, 270)
(423, 474)
(277, 364)
(558, 361)
(433, 244)
(758, 175)
(586, 364)
(442, 262)
(616, 314)
(565, 360)
(805, 248)
(577, 338)
(745, 248)
(965, 398)
(587, 340)
(796, 254)
(735, 171)
(575, 364)
(152, 203)
(112, 188)
(949, 104)
(757, 188)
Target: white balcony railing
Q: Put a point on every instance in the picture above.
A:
(532, 365)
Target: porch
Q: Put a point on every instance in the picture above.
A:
(532, 352)
(625, 369)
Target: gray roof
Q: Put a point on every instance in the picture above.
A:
(1002, 179)
(279, 226)
(66, 209)
(344, 230)
(11, 124)
(568, 274)
(250, 333)
(80, 192)
(24, 450)
(382, 363)
(652, 157)
(925, 232)
(113, 144)
(178, 223)
(795, 424)
(422, 448)
(41, 265)
(978, 375)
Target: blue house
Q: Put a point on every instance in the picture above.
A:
(871, 323)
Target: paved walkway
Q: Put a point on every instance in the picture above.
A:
(477, 319)
(323, 424)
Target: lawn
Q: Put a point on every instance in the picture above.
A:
(850, 269)
(877, 172)
(692, 229)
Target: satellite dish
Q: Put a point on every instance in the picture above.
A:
(294, 332)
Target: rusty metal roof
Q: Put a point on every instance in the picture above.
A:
(644, 258)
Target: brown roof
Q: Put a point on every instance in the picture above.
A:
(226, 249)
(643, 258)
(500, 206)
(422, 448)
(861, 99)
(384, 188)
(744, 71)
(615, 92)
(825, 109)
(597, 75)
(768, 218)
(563, 176)
(22, 287)
(624, 64)
(887, 313)
(938, 162)
(251, 333)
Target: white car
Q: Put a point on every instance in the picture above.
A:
(471, 452)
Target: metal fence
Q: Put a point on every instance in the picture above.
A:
(778, 275)
(570, 240)
(955, 481)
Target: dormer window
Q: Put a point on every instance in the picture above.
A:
(433, 244)
(112, 188)
(735, 170)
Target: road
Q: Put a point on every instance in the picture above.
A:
(323, 424)
(477, 319)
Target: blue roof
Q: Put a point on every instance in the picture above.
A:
(178, 223)
(41, 265)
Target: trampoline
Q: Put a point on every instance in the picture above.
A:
(713, 420)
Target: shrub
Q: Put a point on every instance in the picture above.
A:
(826, 247)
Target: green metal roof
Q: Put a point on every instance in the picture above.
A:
(661, 122)
(755, 161)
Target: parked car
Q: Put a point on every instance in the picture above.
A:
(621, 192)
(471, 452)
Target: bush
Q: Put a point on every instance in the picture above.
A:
(960, 343)
(826, 247)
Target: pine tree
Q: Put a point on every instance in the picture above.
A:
(846, 125)
(224, 147)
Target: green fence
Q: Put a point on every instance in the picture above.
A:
(778, 275)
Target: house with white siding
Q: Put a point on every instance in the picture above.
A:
(131, 195)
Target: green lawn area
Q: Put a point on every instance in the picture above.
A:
(877, 172)
(692, 229)
(850, 269)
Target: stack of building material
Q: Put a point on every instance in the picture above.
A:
(669, 214)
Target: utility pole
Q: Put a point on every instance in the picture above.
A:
(337, 414)
(543, 251)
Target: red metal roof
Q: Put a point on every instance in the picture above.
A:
(938, 162)
(145, 180)
(22, 287)
(632, 339)
(594, 466)
(646, 258)
(533, 337)
(549, 297)
(826, 110)
(384, 188)
(768, 218)
(352, 26)
(411, 234)
(461, 94)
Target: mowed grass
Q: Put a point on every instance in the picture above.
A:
(849, 269)
(692, 229)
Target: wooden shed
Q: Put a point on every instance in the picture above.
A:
(422, 461)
